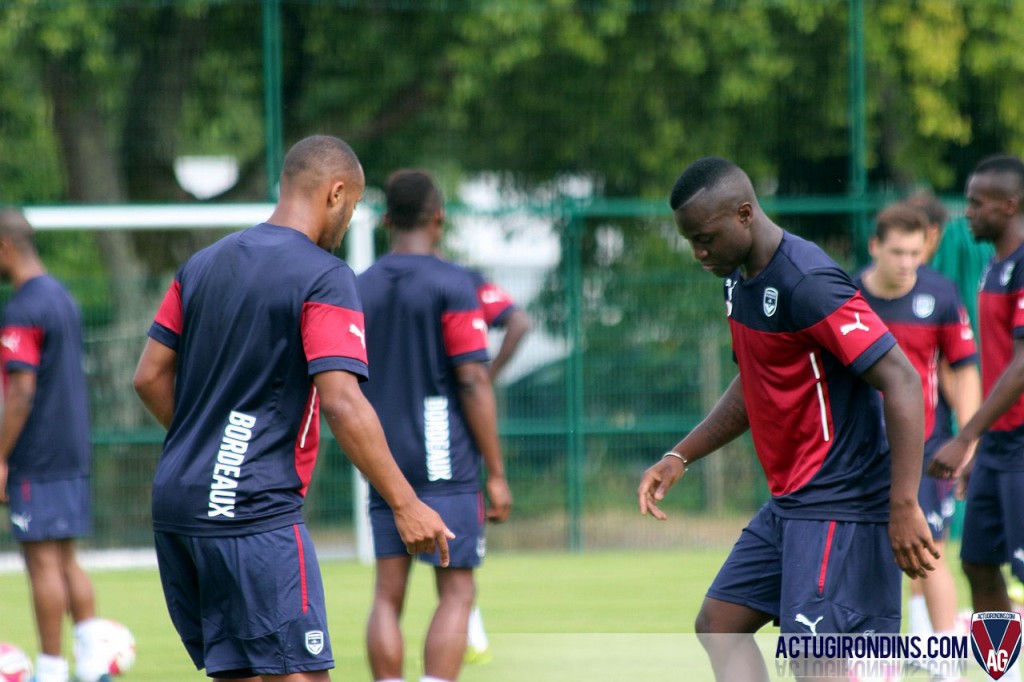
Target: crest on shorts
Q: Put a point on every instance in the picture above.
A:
(924, 305)
(770, 302)
(995, 640)
(315, 642)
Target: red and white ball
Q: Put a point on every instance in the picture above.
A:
(15, 665)
(118, 645)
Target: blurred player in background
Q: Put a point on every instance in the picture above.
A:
(500, 312)
(923, 311)
(45, 454)
(432, 390)
(994, 519)
(817, 557)
(258, 334)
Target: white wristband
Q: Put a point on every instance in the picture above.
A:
(673, 453)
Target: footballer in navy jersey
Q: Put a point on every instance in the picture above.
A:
(993, 531)
(501, 312)
(812, 356)
(257, 335)
(923, 311)
(427, 341)
(45, 451)
(424, 317)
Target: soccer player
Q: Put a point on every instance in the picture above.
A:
(923, 311)
(432, 390)
(994, 519)
(258, 335)
(45, 454)
(500, 312)
(817, 557)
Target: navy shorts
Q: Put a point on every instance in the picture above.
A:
(462, 513)
(247, 605)
(50, 510)
(936, 495)
(994, 519)
(814, 576)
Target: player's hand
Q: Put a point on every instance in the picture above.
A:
(655, 484)
(911, 540)
(500, 497)
(949, 458)
(964, 478)
(3, 481)
(423, 530)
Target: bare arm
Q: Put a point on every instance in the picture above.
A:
(476, 396)
(154, 380)
(517, 326)
(1004, 394)
(962, 389)
(903, 404)
(18, 400)
(355, 425)
(727, 421)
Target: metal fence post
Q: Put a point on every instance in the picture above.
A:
(858, 129)
(273, 111)
(572, 256)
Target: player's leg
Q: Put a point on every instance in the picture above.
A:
(49, 602)
(743, 597)
(385, 647)
(984, 549)
(445, 646)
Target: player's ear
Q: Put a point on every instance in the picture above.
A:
(745, 213)
(336, 195)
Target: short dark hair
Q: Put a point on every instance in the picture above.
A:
(933, 208)
(313, 157)
(14, 227)
(901, 217)
(412, 198)
(1003, 164)
(703, 173)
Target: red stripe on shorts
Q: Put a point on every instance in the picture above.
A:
(302, 569)
(824, 559)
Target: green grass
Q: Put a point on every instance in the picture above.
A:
(598, 616)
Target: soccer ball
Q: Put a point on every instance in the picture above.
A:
(15, 666)
(117, 644)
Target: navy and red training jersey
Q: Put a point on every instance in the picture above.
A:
(1000, 324)
(42, 333)
(802, 336)
(422, 320)
(496, 303)
(252, 317)
(928, 321)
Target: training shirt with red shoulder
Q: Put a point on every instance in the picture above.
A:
(42, 333)
(253, 318)
(928, 321)
(802, 336)
(423, 319)
(1000, 325)
(496, 303)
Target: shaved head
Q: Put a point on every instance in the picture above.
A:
(316, 159)
(17, 230)
(1007, 174)
(712, 178)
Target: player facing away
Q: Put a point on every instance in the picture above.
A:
(824, 554)
(44, 471)
(993, 532)
(258, 336)
(431, 388)
(923, 311)
(500, 312)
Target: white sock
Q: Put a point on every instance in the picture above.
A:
(476, 636)
(428, 678)
(51, 669)
(390, 679)
(90, 660)
(920, 622)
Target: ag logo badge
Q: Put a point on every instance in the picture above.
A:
(995, 640)
(315, 641)
(770, 301)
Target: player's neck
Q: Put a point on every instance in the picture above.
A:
(26, 269)
(414, 242)
(878, 287)
(1010, 240)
